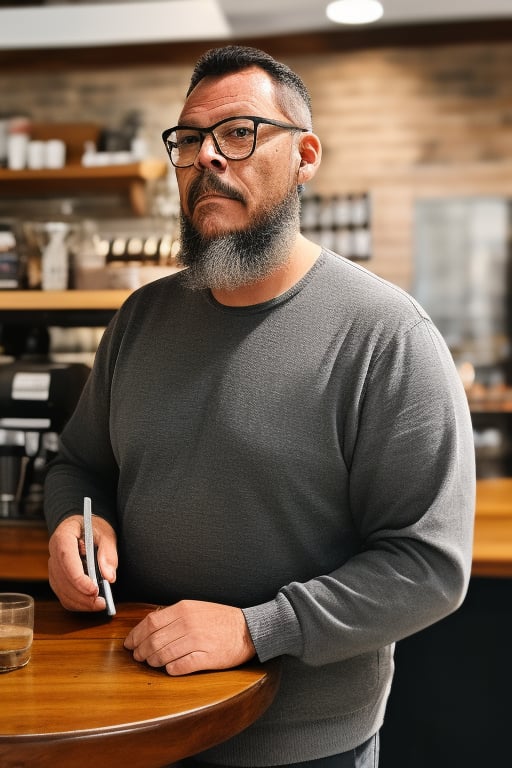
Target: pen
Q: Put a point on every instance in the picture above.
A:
(93, 569)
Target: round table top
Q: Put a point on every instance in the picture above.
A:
(83, 701)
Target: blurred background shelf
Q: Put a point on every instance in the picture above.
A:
(129, 179)
(22, 301)
(66, 309)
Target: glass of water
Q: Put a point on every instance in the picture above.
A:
(16, 629)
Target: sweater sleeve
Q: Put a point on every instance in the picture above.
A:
(85, 465)
(412, 486)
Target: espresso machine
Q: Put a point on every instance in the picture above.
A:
(36, 400)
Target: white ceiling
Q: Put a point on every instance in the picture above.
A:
(262, 17)
(65, 23)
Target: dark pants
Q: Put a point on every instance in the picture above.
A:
(365, 756)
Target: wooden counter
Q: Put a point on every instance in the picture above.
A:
(492, 550)
(23, 552)
(24, 549)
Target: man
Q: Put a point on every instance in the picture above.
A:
(277, 438)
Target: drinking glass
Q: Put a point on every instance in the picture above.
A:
(16, 629)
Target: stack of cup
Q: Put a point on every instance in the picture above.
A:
(18, 137)
(25, 152)
(55, 154)
(46, 154)
(36, 154)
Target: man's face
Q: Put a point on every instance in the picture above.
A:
(220, 196)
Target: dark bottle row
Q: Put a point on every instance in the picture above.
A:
(339, 222)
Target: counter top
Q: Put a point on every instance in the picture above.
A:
(492, 550)
(23, 551)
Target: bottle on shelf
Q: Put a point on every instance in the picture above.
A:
(55, 259)
(340, 222)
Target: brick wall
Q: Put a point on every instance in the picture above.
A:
(402, 123)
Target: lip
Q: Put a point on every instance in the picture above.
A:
(209, 189)
(210, 196)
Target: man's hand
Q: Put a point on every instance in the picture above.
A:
(75, 590)
(192, 635)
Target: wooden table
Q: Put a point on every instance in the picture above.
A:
(83, 702)
(492, 549)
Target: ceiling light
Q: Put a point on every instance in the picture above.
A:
(354, 11)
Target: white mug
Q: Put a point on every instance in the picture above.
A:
(35, 155)
(55, 154)
(17, 144)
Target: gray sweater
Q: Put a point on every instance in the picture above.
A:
(309, 459)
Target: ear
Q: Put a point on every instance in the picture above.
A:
(310, 150)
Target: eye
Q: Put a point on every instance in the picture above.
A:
(234, 131)
(241, 132)
(187, 139)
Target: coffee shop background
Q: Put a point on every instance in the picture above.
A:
(418, 122)
(401, 122)
(408, 117)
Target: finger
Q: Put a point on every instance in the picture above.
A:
(141, 633)
(67, 565)
(80, 586)
(73, 587)
(160, 649)
(186, 665)
(71, 598)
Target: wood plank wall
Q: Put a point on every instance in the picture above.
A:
(403, 122)
(408, 124)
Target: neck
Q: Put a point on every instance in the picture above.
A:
(302, 257)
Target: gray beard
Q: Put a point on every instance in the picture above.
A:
(241, 257)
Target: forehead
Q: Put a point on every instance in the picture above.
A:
(249, 92)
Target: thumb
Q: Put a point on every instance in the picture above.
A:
(107, 551)
(107, 561)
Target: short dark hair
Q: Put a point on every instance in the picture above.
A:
(234, 58)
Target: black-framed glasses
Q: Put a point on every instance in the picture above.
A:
(234, 138)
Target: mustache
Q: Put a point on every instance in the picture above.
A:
(210, 182)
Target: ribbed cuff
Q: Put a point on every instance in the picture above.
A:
(274, 628)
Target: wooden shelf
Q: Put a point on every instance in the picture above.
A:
(490, 400)
(61, 300)
(70, 308)
(146, 170)
(130, 179)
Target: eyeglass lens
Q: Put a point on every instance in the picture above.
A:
(234, 138)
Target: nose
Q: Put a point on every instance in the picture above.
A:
(208, 155)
